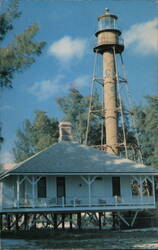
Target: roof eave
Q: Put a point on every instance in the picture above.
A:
(80, 173)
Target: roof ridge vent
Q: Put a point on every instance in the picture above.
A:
(65, 131)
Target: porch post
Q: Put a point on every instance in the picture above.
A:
(18, 190)
(89, 190)
(88, 181)
(141, 190)
(1, 195)
(33, 190)
(153, 189)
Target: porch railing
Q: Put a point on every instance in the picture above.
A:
(71, 201)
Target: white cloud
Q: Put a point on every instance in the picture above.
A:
(81, 81)
(43, 90)
(67, 48)
(6, 157)
(143, 37)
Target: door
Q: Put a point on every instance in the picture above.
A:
(116, 186)
(60, 190)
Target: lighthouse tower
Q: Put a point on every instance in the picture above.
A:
(109, 43)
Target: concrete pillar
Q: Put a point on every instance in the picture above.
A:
(110, 102)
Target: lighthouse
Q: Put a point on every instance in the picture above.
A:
(109, 43)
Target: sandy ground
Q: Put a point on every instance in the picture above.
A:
(86, 240)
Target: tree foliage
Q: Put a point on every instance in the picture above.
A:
(7, 17)
(75, 108)
(35, 136)
(43, 131)
(19, 54)
(147, 126)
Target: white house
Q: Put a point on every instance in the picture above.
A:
(69, 176)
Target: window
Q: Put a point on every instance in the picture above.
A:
(116, 186)
(41, 188)
(141, 186)
(107, 23)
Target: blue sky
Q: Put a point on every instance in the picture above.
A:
(68, 27)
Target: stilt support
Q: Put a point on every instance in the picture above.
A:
(8, 221)
(70, 221)
(114, 220)
(134, 218)
(55, 221)
(100, 225)
(1, 222)
(63, 221)
(17, 222)
(14, 222)
(25, 221)
(79, 220)
(123, 219)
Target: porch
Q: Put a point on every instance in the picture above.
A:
(78, 204)
(77, 193)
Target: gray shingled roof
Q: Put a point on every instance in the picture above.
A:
(73, 158)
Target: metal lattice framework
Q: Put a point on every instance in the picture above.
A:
(116, 115)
